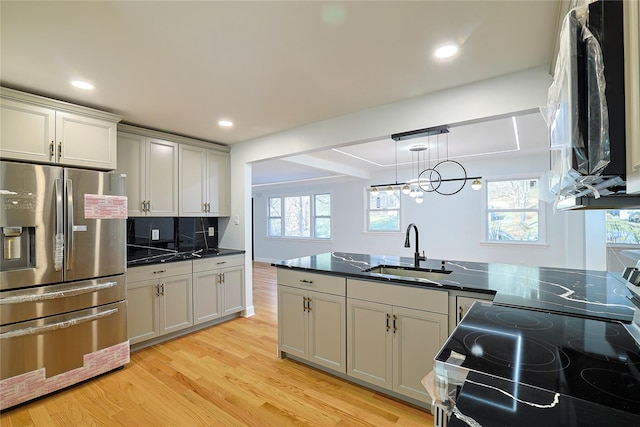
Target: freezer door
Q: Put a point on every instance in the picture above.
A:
(95, 221)
(31, 225)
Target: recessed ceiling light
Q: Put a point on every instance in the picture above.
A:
(82, 85)
(446, 51)
(225, 123)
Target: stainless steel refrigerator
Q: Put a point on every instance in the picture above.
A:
(62, 284)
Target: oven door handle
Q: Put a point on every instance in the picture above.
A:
(18, 299)
(36, 330)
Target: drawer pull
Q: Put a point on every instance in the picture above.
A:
(17, 299)
(52, 327)
(159, 271)
(310, 282)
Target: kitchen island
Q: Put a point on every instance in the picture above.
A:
(587, 305)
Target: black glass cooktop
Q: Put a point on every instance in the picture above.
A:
(592, 360)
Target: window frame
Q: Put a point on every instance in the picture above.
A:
(368, 210)
(312, 216)
(541, 210)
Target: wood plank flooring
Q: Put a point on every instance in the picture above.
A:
(226, 375)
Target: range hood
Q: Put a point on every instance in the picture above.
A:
(586, 111)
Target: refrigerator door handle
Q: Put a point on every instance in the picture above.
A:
(69, 246)
(58, 252)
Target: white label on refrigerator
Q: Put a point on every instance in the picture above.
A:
(105, 207)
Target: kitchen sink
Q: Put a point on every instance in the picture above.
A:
(418, 273)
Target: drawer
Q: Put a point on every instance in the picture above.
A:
(216, 262)
(155, 271)
(335, 285)
(399, 295)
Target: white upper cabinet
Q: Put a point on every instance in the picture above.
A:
(151, 166)
(171, 175)
(43, 130)
(204, 182)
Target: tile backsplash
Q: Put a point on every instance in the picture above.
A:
(179, 234)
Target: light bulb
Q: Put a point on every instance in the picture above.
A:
(419, 199)
(476, 184)
(406, 189)
(413, 192)
(374, 191)
(390, 190)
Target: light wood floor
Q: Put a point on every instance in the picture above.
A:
(227, 375)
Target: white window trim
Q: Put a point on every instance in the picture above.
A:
(542, 213)
(366, 230)
(312, 237)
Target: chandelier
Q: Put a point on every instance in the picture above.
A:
(425, 178)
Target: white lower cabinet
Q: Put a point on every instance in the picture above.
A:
(312, 324)
(159, 300)
(394, 333)
(218, 287)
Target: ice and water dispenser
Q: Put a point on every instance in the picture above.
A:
(17, 247)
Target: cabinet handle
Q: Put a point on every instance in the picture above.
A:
(222, 275)
(221, 262)
(304, 303)
(162, 289)
(460, 314)
(51, 150)
(309, 304)
(59, 150)
(394, 323)
(388, 318)
(159, 271)
(148, 205)
(157, 290)
(310, 282)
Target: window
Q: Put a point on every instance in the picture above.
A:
(300, 216)
(383, 211)
(513, 211)
(623, 226)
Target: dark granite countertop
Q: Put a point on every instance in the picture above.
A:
(527, 368)
(493, 401)
(137, 256)
(584, 293)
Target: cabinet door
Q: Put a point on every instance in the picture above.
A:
(232, 289)
(418, 336)
(369, 342)
(132, 162)
(27, 132)
(292, 321)
(176, 304)
(85, 141)
(327, 331)
(143, 311)
(193, 181)
(206, 296)
(218, 183)
(463, 305)
(162, 177)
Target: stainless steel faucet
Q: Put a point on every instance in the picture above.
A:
(416, 256)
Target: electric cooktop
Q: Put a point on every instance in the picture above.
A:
(592, 360)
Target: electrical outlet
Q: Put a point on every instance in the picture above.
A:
(212, 231)
(155, 234)
(236, 220)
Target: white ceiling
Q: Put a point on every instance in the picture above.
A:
(180, 66)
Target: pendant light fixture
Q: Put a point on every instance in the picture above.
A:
(429, 179)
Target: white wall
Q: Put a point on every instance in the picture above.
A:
(450, 226)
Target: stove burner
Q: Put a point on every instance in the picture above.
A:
(530, 320)
(508, 350)
(592, 328)
(618, 354)
(621, 386)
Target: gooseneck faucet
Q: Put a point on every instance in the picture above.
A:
(416, 256)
